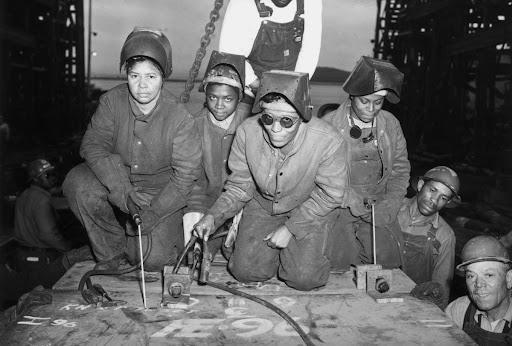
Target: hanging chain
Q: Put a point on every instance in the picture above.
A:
(209, 29)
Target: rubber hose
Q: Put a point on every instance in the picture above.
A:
(86, 277)
(307, 340)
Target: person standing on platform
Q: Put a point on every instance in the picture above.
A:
(272, 34)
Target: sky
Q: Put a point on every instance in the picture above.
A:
(348, 27)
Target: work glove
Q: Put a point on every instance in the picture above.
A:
(430, 291)
(204, 227)
(189, 220)
(233, 229)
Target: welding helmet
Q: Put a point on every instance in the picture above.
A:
(149, 43)
(483, 248)
(446, 176)
(375, 76)
(225, 68)
(37, 167)
(294, 86)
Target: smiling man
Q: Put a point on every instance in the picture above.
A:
(289, 174)
(485, 314)
(428, 241)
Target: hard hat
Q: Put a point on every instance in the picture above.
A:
(151, 44)
(225, 68)
(38, 167)
(294, 86)
(482, 249)
(446, 176)
(375, 76)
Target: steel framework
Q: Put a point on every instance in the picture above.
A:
(42, 92)
(456, 55)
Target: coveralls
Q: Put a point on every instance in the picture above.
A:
(299, 189)
(474, 322)
(428, 246)
(289, 39)
(379, 170)
(159, 153)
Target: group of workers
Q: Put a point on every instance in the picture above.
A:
(297, 195)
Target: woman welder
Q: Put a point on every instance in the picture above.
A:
(141, 148)
(378, 165)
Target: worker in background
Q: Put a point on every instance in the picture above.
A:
(35, 219)
(272, 34)
(485, 313)
(288, 172)
(141, 152)
(428, 240)
(42, 254)
(377, 164)
(216, 123)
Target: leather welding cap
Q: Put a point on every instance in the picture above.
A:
(483, 248)
(149, 43)
(373, 75)
(38, 167)
(294, 86)
(225, 68)
(446, 176)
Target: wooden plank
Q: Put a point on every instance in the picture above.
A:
(222, 319)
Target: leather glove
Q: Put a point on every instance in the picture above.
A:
(233, 229)
(431, 291)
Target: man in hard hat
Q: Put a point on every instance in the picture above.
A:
(377, 163)
(142, 154)
(35, 219)
(272, 35)
(289, 174)
(216, 123)
(486, 313)
(428, 241)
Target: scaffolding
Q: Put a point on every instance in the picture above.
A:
(42, 93)
(456, 56)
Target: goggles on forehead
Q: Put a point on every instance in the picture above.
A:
(285, 122)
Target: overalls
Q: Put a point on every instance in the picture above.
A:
(418, 255)
(277, 45)
(483, 337)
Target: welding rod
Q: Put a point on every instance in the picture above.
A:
(142, 266)
(373, 235)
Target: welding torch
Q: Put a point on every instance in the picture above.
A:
(137, 219)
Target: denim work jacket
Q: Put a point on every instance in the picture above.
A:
(396, 168)
(160, 152)
(307, 183)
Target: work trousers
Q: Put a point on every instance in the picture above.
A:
(351, 243)
(301, 265)
(106, 224)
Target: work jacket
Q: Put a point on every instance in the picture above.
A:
(160, 152)
(35, 221)
(216, 144)
(308, 182)
(396, 168)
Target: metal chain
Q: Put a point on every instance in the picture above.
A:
(209, 29)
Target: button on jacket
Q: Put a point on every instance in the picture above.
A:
(159, 152)
(308, 182)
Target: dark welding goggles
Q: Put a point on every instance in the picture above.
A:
(285, 122)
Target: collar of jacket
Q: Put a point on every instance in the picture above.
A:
(203, 115)
(344, 110)
(295, 143)
(138, 113)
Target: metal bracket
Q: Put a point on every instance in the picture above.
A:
(176, 286)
